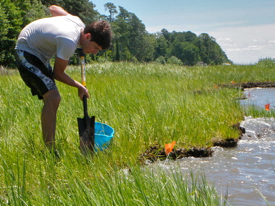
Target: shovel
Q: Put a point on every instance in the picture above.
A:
(86, 125)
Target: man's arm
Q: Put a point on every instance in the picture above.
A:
(60, 75)
(57, 11)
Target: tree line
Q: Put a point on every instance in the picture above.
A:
(130, 42)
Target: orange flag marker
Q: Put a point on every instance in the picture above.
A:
(216, 87)
(232, 82)
(267, 107)
(169, 147)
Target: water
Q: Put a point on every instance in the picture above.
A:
(259, 97)
(247, 172)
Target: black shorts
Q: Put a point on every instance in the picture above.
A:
(34, 73)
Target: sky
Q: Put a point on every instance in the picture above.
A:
(245, 29)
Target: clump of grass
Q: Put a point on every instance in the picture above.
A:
(61, 183)
(145, 104)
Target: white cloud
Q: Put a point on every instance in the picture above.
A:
(247, 44)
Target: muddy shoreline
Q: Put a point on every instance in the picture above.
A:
(157, 152)
(246, 85)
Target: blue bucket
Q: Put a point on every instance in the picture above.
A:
(103, 135)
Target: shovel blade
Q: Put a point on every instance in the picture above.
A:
(86, 128)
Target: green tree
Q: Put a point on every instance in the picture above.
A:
(4, 29)
(12, 21)
(174, 60)
(87, 13)
(160, 60)
(187, 52)
(31, 11)
(133, 40)
(190, 37)
(85, 9)
(166, 34)
(136, 33)
(161, 45)
(15, 14)
(111, 8)
(149, 43)
(121, 27)
(190, 53)
(53, 2)
(210, 51)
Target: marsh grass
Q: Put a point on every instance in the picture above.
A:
(145, 104)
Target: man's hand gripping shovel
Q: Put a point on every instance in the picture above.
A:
(86, 125)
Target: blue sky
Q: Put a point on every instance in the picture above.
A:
(245, 29)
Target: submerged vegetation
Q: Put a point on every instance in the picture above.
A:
(146, 104)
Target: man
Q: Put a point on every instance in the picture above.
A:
(58, 36)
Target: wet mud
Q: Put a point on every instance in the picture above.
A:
(157, 152)
(246, 85)
(230, 142)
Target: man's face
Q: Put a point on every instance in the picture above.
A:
(90, 47)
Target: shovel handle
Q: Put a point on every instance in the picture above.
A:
(83, 79)
(82, 61)
(85, 107)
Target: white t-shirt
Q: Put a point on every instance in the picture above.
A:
(51, 36)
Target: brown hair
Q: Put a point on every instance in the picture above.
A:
(101, 33)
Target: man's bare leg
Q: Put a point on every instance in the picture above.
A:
(48, 117)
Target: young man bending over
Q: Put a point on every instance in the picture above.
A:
(59, 35)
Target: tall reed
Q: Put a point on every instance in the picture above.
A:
(145, 104)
